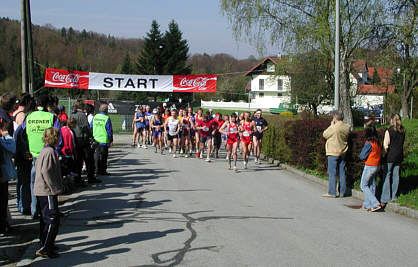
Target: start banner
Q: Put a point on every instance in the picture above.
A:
(127, 82)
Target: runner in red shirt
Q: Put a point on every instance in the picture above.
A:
(198, 119)
(246, 129)
(206, 130)
(217, 137)
(230, 129)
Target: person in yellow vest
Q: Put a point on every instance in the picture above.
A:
(34, 126)
(103, 135)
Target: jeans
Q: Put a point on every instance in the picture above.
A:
(23, 186)
(100, 159)
(336, 163)
(368, 186)
(392, 171)
(34, 207)
(4, 200)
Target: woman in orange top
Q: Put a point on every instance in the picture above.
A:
(370, 154)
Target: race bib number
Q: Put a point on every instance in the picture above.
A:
(233, 130)
(205, 129)
(246, 134)
(258, 128)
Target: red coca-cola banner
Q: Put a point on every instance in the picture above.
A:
(127, 82)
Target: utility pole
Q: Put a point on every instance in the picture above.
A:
(337, 56)
(23, 42)
(30, 46)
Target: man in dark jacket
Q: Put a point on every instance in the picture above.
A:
(83, 136)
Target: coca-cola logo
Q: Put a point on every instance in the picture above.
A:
(70, 78)
(198, 83)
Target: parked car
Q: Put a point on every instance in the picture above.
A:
(284, 107)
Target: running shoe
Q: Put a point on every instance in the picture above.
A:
(174, 156)
(133, 144)
(245, 165)
(181, 151)
(144, 146)
(208, 160)
(235, 169)
(139, 146)
(186, 156)
(162, 151)
(201, 155)
(227, 157)
(169, 151)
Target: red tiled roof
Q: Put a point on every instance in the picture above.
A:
(384, 73)
(275, 60)
(369, 89)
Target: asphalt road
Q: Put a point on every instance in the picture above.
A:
(159, 211)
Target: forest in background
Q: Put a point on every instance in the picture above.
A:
(72, 49)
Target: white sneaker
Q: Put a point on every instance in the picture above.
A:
(227, 158)
(201, 155)
(186, 156)
(174, 156)
(169, 151)
(208, 160)
(245, 165)
(235, 169)
(139, 146)
(181, 151)
(144, 146)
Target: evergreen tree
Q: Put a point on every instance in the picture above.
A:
(375, 78)
(126, 68)
(150, 61)
(175, 52)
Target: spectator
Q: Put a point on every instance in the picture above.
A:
(103, 135)
(370, 154)
(336, 146)
(62, 116)
(34, 126)
(89, 112)
(23, 158)
(24, 104)
(393, 144)
(83, 136)
(304, 113)
(68, 149)
(48, 185)
(8, 172)
(7, 103)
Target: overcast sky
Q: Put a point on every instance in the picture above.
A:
(201, 21)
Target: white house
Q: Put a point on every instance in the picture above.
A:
(364, 92)
(268, 89)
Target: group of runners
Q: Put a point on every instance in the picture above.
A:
(188, 133)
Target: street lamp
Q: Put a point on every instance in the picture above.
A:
(337, 57)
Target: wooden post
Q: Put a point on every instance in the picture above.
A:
(23, 42)
(29, 47)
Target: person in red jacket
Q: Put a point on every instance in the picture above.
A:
(68, 150)
(62, 116)
(370, 154)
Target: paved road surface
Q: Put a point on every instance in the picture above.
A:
(158, 211)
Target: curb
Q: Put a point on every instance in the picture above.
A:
(393, 207)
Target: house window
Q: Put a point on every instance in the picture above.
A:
(260, 95)
(261, 84)
(279, 84)
(271, 68)
(279, 94)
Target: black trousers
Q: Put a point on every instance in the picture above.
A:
(85, 154)
(49, 221)
(4, 199)
(217, 140)
(100, 159)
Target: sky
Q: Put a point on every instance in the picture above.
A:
(201, 21)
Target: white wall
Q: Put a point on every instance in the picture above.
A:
(270, 83)
(368, 100)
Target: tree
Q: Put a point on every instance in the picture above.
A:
(305, 25)
(312, 79)
(375, 78)
(175, 54)
(126, 68)
(150, 60)
(403, 34)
